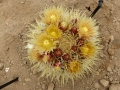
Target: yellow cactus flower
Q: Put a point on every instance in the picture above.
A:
(34, 55)
(44, 43)
(54, 32)
(88, 50)
(52, 15)
(74, 66)
(87, 27)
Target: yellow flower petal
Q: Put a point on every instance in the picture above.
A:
(88, 50)
(57, 67)
(44, 43)
(87, 27)
(52, 15)
(74, 66)
(54, 32)
(34, 55)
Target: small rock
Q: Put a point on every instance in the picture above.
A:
(97, 73)
(97, 85)
(111, 38)
(22, 2)
(27, 79)
(104, 82)
(111, 51)
(99, 70)
(38, 83)
(7, 69)
(115, 82)
(51, 86)
(111, 79)
(102, 55)
(24, 83)
(20, 79)
(114, 87)
(109, 69)
(106, 77)
(43, 86)
(1, 66)
(111, 73)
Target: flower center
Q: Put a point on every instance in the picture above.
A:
(53, 33)
(46, 42)
(53, 18)
(85, 50)
(85, 29)
(66, 42)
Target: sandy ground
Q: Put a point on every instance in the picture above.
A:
(15, 16)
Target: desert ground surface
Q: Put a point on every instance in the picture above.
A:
(15, 17)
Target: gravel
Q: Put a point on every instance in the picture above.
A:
(104, 82)
(109, 69)
(114, 87)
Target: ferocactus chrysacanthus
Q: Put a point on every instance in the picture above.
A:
(63, 44)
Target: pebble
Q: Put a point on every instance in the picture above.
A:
(96, 85)
(1, 66)
(97, 73)
(27, 79)
(111, 73)
(115, 82)
(38, 83)
(20, 79)
(22, 2)
(111, 79)
(43, 86)
(51, 86)
(102, 55)
(109, 69)
(111, 38)
(111, 51)
(104, 82)
(114, 87)
(24, 83)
